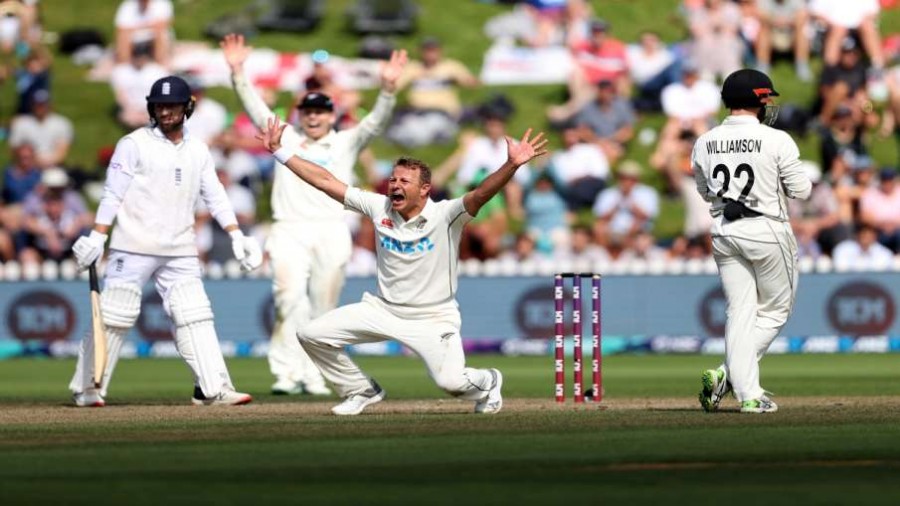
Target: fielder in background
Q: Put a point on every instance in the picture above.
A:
(418, 252)
(748, 170)
(153, 182)
(309, 244)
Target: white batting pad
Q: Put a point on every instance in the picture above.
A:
(195, 336)
(120, 304)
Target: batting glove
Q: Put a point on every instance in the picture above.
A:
(246, 250)
(88, 249)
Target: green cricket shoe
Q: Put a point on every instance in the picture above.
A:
(715, 387)
(761, 405)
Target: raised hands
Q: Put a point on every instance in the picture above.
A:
(392, 70)
(271, 135)
(235, 51)
(520, 153)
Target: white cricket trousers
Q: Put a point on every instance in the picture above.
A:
(196, 341)
(308, 261)
(431, 332)
(757, 260)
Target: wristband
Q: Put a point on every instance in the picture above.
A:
(283, 154)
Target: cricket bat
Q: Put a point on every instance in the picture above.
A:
(98, 328)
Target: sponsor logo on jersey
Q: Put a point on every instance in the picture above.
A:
(387, 223)
(177, 176)
(422, 245)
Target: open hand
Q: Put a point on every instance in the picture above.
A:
(271, 135)
(235, 51)
(526, 149)
(392, 70)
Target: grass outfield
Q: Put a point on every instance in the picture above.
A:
(835, 440)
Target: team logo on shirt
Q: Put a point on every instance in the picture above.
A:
(387, 223)
(422, 245)
(177, 176)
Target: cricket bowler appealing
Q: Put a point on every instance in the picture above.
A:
(309, 244)
(418, 251)
(748, 170)
(154, 179)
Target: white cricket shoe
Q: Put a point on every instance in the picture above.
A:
(223, 398)
(90, 398)
(316, 388)
(493, 402)
(356, 403)
(286, 386)
(761, 405)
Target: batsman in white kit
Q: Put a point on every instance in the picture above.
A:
(748, 170)
(417, 248)
(309, 244)
(154, 179)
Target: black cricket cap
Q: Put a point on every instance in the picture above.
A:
(316, 100)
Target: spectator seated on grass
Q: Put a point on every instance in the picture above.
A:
(546, 216)
(626, 208)
(652, 66)
(435, 107)
(291, 15)
(673, 159)
(144, 22)
(130, 82)
(210, 118)
(583, 248)
(880, 208)
(863, 253)
(33, 76)
(524, 249)
(363, 259)
(579, 170)
(643, 247)
(691, 104)
(691, 248)
(849, 189)
(783, 30)
(716, 45)
(598, 59)
(48, 132)
(484, 236)
(842, 83)
(53, 217)
(841, 142)
(607, 121)
(21, 176)
(486, 153)
(817, 221)
(844, 18)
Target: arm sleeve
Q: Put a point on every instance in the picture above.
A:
(457, 216)
(213, 194)
(374, 122)
(699, 176)
(794, 180)
(363, 202)
(121, 170)
(256, 108)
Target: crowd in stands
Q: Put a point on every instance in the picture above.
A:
(589, 201)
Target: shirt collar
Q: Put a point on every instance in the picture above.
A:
(159, 135)
(325, 139)
(741, 120)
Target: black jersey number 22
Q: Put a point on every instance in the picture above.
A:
(738, 172)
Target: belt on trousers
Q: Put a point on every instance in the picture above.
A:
(735, 210)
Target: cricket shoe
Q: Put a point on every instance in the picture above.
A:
(90, 398)
(356, 403)
(223, 398)
(715, 388)
(493, 402)
(285, 386)
(761, 405)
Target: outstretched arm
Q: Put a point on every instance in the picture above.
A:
(236, 53)
(313, 174)
(374, 123)
(518, 154)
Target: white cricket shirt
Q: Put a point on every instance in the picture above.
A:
(292, 198)
(152, 188)
(416, 260)
(744, 160)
